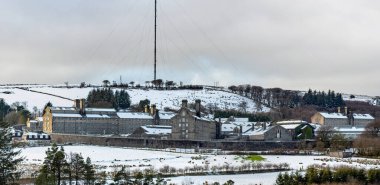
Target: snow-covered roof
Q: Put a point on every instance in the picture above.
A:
(166, 115)
(97, 116)
(290, 126)
(363, 116)
(157, 129)
(134, 115)
(100, 110)
(241, 119)
(291, 122)
(342, 116)
(40, 119)
(203, 118)
(333, 115)
(228, 127)
(258, 131)
(349, 129)
(67, 115)
(234, 119)
(62, 108)
(36, 136)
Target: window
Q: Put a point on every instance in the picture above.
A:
(279, 133)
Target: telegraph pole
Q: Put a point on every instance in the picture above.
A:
(155, 39)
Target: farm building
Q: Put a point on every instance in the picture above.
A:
(153, 131)
(267, 132)
(342, 119)
(298, 129)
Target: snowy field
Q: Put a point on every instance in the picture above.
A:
(162, 99)
(110, 157)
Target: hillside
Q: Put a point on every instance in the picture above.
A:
(171, 99)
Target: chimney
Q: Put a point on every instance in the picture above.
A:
(157, 117)
(264, 126)
(77, 103)
(184, 103)
(198, 108)
(338, 109)
(241, 130)
(153, 109)
(345, 111)
(253, 126)
(82, 106)
(146, 109)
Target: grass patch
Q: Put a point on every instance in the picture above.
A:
(254, 158)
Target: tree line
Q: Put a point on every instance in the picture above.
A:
(327, 175)
(322, 99)
(107, 98)
(277, 97)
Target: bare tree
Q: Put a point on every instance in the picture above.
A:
(243, 106)
(106, 83)
(132, 83)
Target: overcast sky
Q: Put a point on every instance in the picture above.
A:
(293, 44)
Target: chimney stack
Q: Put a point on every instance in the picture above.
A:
(77, 103)
(82, 106)
(338, 109)
(146, 109)
(264, 126)
(198, 107)
(153, 109)
(346, 111)
(184, 103)
(156, 118)
(241, 130)
(253, 126)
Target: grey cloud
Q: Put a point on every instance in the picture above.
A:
(297, 44)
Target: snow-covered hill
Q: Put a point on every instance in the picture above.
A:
(161, 98)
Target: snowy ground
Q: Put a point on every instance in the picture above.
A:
(362, 98)
(109, 157)
(171, 99)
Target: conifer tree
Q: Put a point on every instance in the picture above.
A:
(53, 166)
(78, 167)
(89, 174)
(9, 159)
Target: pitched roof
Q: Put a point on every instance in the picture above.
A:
(157, 129)
(166, 115)
(363, 116)
(63, 115)
(290, 126)
(333, 115)
(291, 122)
(134, 115)
(259, 130)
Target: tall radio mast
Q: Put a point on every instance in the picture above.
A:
(155, 39)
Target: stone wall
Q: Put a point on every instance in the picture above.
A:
(162, 144)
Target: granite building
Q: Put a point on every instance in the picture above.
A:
(190, 125)
(98, 121)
